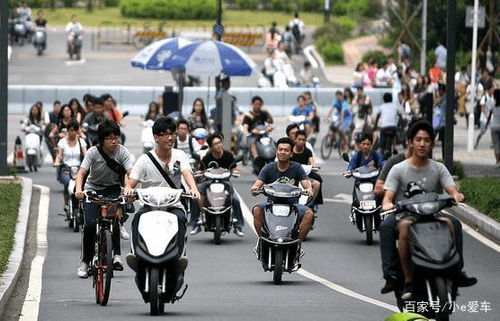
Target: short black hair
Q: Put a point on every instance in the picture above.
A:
(73, 124)
(255, 98)
(419, 125)
(213, 136)
(163, 124)
(105, 97)
(338, 92)
(285, 140)
(107, 128)
(98, 101)
(387, 98)
(290, 127)
(183, 121)
(300, 132)
(57, 102)
(363, 136)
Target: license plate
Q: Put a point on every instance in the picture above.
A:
(368, 204)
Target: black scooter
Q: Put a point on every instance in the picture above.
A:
(434, 256)
(279, 247)
(365, 208)
(266, 150)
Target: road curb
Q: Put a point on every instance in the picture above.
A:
(9, 278)
(478, 221)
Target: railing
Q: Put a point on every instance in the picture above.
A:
(136, 99)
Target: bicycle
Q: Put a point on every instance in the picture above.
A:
(333, 140)
(101, 266)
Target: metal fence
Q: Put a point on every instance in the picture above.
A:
(136, 99)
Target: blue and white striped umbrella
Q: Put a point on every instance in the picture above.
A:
(153, 56)
(211, 58)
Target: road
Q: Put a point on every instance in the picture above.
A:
(340, 279)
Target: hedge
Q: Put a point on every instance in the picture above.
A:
(169, 9)
(482, 194)
(10, 196)
(328, 39)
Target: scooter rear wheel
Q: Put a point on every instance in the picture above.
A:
(278, 266)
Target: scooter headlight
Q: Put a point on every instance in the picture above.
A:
(217, 188)
(281, 210)
(265, 141)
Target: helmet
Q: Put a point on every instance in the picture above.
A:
(200, 134)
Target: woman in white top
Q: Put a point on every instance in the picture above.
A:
(70, 152)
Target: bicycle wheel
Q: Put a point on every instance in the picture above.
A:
(326, 146)
(104, 267)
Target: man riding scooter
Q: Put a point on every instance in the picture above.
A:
(402, 168)
(257, 116)
(224, 159)
(93, 119)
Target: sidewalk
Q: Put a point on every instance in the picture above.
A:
(354, 50)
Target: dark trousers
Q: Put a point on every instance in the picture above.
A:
(389, 252)
(90, 214)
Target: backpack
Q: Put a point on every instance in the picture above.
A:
(373, 155)
(406, 52)
(296, 30)
(191, 148)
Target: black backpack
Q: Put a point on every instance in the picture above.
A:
(296, 30)
(191, 148)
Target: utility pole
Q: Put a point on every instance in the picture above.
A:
(470, 133)
(450, 84)
(327, 11)
(4, 81)
(423, 53)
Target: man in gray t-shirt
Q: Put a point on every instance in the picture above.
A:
(429, 175)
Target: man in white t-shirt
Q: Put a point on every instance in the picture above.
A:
(383, 78)
(389, 115)
(176, 165)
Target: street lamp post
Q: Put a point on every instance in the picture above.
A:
(450, 84)
(4, 34)
(327, 11)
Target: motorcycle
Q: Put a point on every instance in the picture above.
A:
(33, 150)
(218, 217)
(156, 244)
(72, 207)
(75, 45)
(433, 255)
(365, 210)
(266, 150)
(20, 32)
(147, 138)
(279, 248)
(40, 40)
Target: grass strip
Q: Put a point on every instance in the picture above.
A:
(483, 194)
(10, 197)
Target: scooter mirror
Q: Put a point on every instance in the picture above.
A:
(203, 147)
(195, 156)
(345, 157)
(125, 113)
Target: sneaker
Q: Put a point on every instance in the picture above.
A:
(132, 261)
(195, 230)
(407, 291)
(390, 285)
(238, 231)
(117, 263)
(183, 263)
(123, 233)
(82, 270)
(464, 281)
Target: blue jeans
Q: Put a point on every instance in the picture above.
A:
(64, 177)
(389, 252)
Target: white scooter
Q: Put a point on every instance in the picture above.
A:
(33, 147)
(158, 246)
(147, 138)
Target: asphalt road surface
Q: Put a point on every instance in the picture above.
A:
(340, 277)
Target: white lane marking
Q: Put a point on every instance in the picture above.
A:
(31, 305)
(75, 62)
(340, 198)
(249, 219)
(478, 236)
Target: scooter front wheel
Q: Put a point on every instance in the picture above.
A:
(442, 295)
(368, 219)
(156, 305)
(278, 266)
(217, 229)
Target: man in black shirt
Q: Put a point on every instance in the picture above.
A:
(254, 118)
(304, 156)
(224, 159)
(40, 20)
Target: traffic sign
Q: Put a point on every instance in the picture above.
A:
(469, 17)
(218, 29)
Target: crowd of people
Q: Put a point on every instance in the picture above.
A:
(423, 95)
